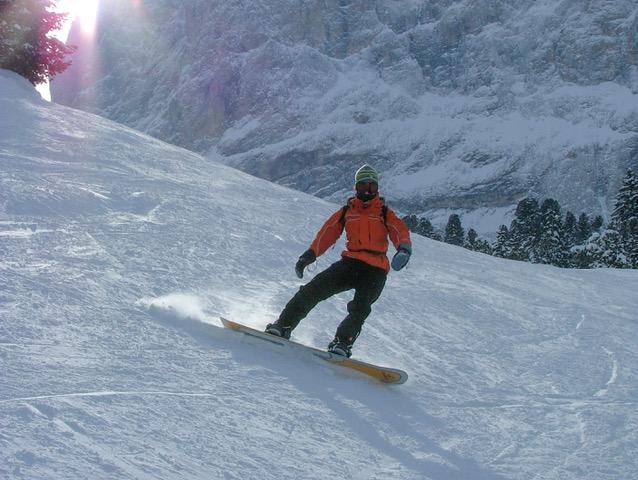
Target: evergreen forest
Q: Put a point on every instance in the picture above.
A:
(541, 232)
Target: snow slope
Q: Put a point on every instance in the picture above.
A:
(118, 253)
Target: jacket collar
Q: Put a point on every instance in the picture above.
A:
(374, 203)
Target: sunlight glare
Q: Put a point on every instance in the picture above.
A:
(84, 10)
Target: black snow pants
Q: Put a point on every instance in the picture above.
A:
(346, 274)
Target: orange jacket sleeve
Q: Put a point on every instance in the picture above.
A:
(328, 234)
(397, 229)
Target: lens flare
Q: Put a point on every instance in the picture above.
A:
(83, 10)
(86, 12)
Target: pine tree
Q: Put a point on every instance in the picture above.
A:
(571, 230)
(411, 222)
(597, 223)
(606, 249)
(631, 243)
(420, 226)
(581, 256)
(551, 247)
(501, 246)
(25, 45)
(476, 244)
(625, 219)
(483, 246)
(425, 228)
(472, 236)
(524, 230)
(626, 207)
(435, 235)
(454, 233)
(583, 229)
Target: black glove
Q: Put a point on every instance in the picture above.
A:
(305, 259)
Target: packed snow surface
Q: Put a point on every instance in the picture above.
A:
(118, 253)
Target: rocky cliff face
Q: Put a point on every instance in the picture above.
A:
(464, 106)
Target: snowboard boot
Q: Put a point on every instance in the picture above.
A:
(278, 331)
(339, 347)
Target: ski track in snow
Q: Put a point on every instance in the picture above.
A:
(111, 394)
(118, 255)
(613, 375)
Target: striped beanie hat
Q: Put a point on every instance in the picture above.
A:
(366, 174)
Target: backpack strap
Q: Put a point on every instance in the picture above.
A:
(344, 210)
(384, 212)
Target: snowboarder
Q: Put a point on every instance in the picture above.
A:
(363, 266)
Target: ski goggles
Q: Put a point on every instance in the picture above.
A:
(363, 187)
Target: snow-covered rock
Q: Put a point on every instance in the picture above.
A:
(464, 105)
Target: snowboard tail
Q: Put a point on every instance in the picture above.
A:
(383, 374)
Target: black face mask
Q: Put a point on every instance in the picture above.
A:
(366, 191)
(366, 196)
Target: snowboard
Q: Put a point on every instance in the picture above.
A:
(383, 374)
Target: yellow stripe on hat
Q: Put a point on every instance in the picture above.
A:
(366, 174)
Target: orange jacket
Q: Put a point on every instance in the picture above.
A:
(366, 234)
